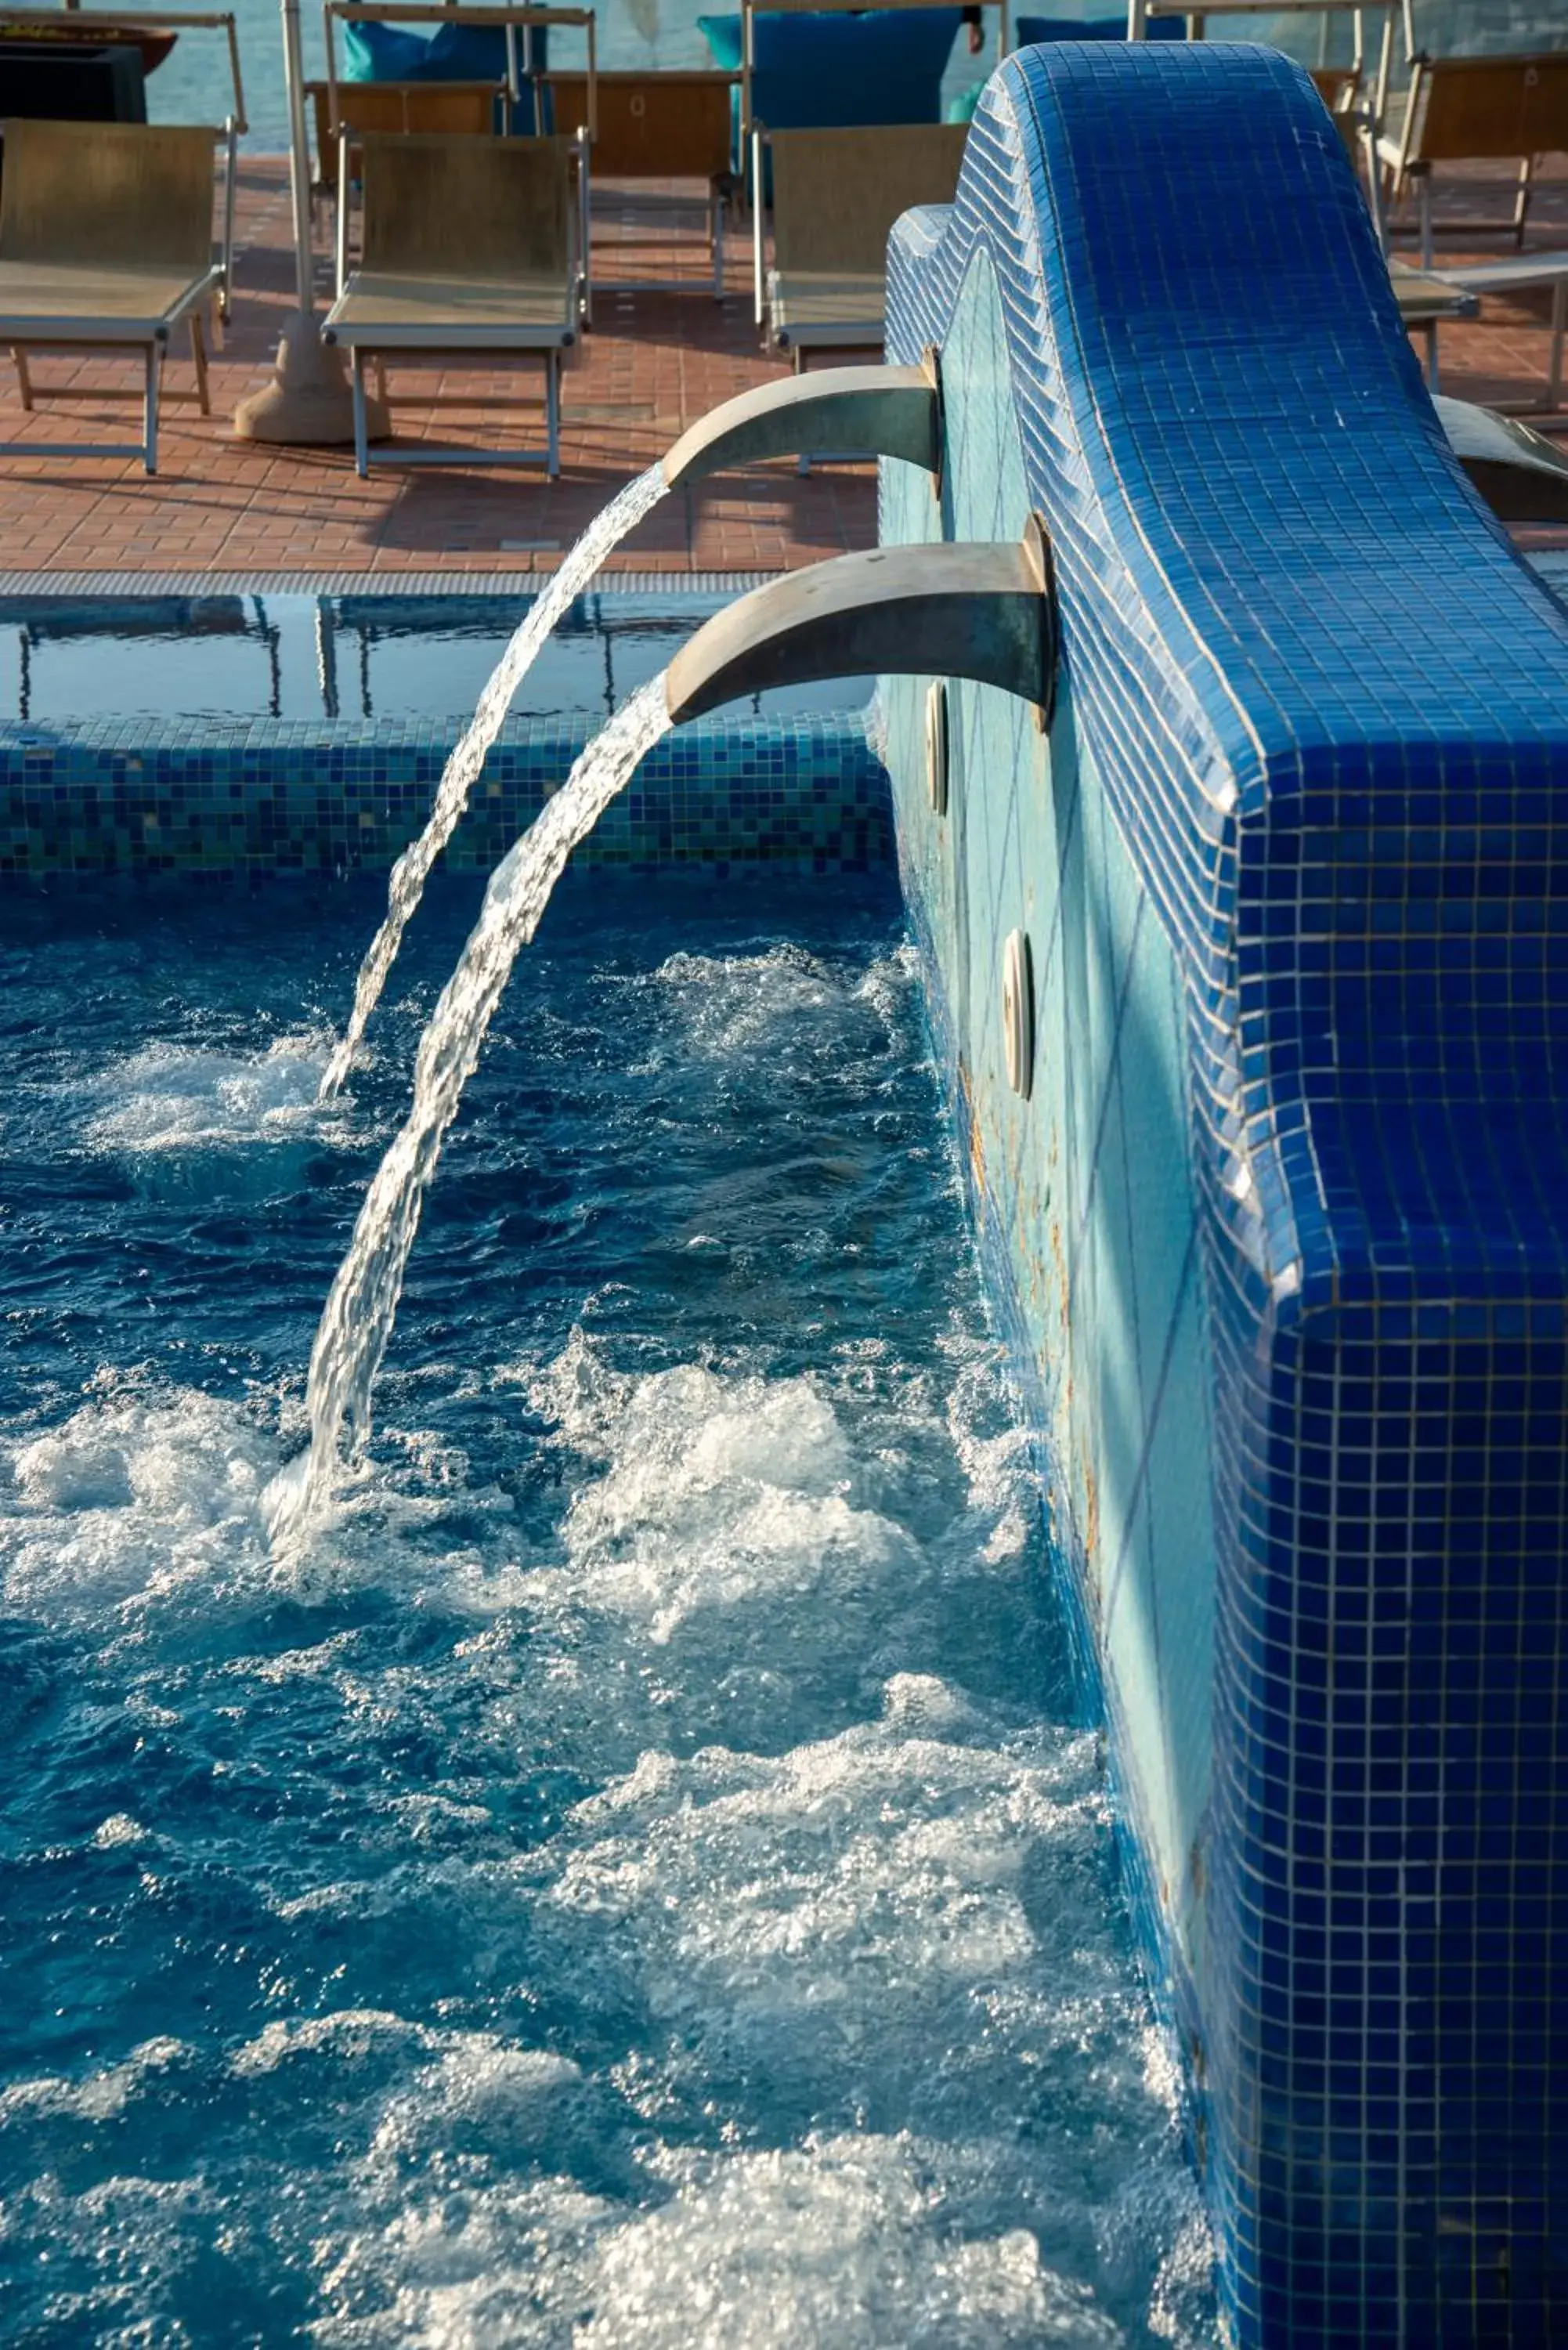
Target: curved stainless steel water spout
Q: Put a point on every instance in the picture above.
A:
(983, 611)
(850, 412)
(1522, 477)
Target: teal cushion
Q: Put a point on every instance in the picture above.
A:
(457, 52)
(383, 53)
(829, 72)
(723, 34)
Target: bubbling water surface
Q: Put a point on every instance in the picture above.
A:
(640, 1875)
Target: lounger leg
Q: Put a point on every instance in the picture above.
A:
(1431, 354)
(199, 353)
(361, 434)
(716, 237)
(1521, 202)
(23, 380)
(553, 414)
(758, 280)
(1424, 203)
(380, 375)
(149, 406)
(1559, 324)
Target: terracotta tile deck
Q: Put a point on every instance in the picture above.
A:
(656, 362)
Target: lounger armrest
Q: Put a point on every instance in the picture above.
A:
(230, 184)
(759, 234)
(582, 154)
(341, 225)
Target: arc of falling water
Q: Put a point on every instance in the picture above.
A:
(358, 1318)
(463, 769)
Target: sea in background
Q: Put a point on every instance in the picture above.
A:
(648, 35)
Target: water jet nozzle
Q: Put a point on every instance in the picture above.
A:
(849, 412)
(982, 611)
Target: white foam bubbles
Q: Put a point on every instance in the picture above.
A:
(719, 1492)
(828, 1913)
(179, 1096)
(139, 1491)
(118, 1831)
(838, 2244)
(726, 1004)
(98, 2096)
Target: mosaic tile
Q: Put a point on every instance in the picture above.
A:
(277, 796)
(1280, 1237)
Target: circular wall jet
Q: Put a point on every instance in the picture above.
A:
(1018, 1011)
(937, 746)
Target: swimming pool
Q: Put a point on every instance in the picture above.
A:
(202, 661)
(644, 1876)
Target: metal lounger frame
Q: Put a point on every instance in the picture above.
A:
(25, 331)
(834, 334)
(421, 338)
(510, 19)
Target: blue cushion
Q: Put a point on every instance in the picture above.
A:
(1028, 30)
(457, 52)
(832, 72)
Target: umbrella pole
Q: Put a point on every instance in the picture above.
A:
(307, 400)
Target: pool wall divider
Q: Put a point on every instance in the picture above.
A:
(275, 798)
(1276, 1225)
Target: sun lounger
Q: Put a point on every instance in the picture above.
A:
(472, 247)
(475, 108)
(1476, 110)
(836, 194)
(106, 243)
(658, 126)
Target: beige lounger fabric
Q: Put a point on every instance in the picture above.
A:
(836, 194)
(442, 307)
(113, 197)
(106, 239)
(462, 235)
(61, 296)
(1422, 296)
(1503, 108)
(467, 246)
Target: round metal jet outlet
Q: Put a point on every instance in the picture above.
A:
(1018, 1011)
(937, 746)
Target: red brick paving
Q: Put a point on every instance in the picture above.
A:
(656, 362)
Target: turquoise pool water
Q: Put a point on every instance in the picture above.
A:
(643, 1878)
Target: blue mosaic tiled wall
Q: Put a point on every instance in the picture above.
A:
(800, 795)
(1281, 1236)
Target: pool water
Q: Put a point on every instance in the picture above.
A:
(643, 1879)
(220, 662)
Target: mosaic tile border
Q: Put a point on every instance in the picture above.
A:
(805, 795)
(1328, 707)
